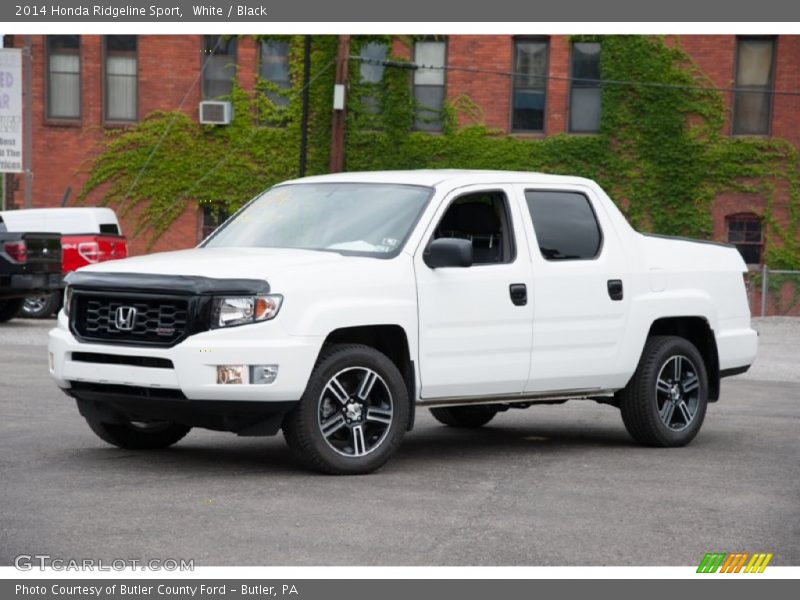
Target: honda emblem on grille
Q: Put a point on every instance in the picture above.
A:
(125, 318)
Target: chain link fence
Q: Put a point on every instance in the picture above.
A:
(773, 292)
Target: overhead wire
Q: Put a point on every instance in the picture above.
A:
(620, 82)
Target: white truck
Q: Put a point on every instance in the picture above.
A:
(333, 307)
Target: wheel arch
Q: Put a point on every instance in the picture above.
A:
(698, 331)
(389, 339)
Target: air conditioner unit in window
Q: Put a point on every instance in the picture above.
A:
(216, 112)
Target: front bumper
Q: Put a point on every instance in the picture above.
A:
(194, 363)
(122, 404)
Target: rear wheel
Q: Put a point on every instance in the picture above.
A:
(665, 402)
(464, 416)
(136, 435)
(9, 308)
(39, 307)
(353, 414)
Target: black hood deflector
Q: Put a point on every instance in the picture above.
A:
(189, 285)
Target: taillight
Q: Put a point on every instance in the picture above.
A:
(90, 251)
(17, 251)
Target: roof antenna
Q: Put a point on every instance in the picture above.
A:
(65, 197)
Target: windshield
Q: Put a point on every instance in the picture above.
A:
(351, 218)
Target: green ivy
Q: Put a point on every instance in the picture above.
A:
(662, 152)
(208, 164)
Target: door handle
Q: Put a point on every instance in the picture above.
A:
(615, 289)
(518, 293)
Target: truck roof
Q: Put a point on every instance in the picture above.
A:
(64, 220)
(435, 177)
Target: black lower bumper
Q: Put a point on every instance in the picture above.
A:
(122, 403)
(28, 284)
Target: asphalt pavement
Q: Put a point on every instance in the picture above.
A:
(551, 485)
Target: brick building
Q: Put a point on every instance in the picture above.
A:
(83, 86)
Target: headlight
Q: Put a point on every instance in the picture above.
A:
(240, 310)
(67, 299)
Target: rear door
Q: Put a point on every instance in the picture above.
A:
(474, 339)
(579, 290)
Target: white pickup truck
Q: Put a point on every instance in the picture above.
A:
(334, 306)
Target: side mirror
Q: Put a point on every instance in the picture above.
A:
(448, 252)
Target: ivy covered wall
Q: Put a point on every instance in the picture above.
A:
(661, 152)
(169, 159)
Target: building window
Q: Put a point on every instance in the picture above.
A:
(530, 85)
(584, 94)
(121, 78)
(429, 84)
(744, 231)
(219, 56)
(752, 101)
(275, 69)
(63, 77)
(372, 55)
(213, 216)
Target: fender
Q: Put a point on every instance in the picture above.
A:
(647, 308)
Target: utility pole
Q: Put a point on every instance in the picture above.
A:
(339, 113)
(27, 123)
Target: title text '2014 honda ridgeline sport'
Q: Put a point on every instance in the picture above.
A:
(334, 306)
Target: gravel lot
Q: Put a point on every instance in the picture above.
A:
(778, 350)
(548, 485)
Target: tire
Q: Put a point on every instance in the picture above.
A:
(39, 307)
(9, 308)
(665, 402)
(135, 436)
(353, 414)
(468, 417)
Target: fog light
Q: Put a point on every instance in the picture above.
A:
(263, 373)
(229, 374)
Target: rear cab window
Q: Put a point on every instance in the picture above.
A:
(109, 229)
(565, 224)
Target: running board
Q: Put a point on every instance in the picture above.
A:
(579, 394)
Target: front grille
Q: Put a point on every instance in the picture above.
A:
(155, 320)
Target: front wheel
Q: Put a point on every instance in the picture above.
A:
(39, 307)
(135, 435)
(353, 414)
(665, 402)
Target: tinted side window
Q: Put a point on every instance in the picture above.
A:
(565, 225)
(483, 219)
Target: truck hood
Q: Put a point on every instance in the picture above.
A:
(226, 263)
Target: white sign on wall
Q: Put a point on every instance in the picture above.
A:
(10, 110)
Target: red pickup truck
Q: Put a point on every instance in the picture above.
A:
(88, 235)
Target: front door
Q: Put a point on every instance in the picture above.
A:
(474, 337)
